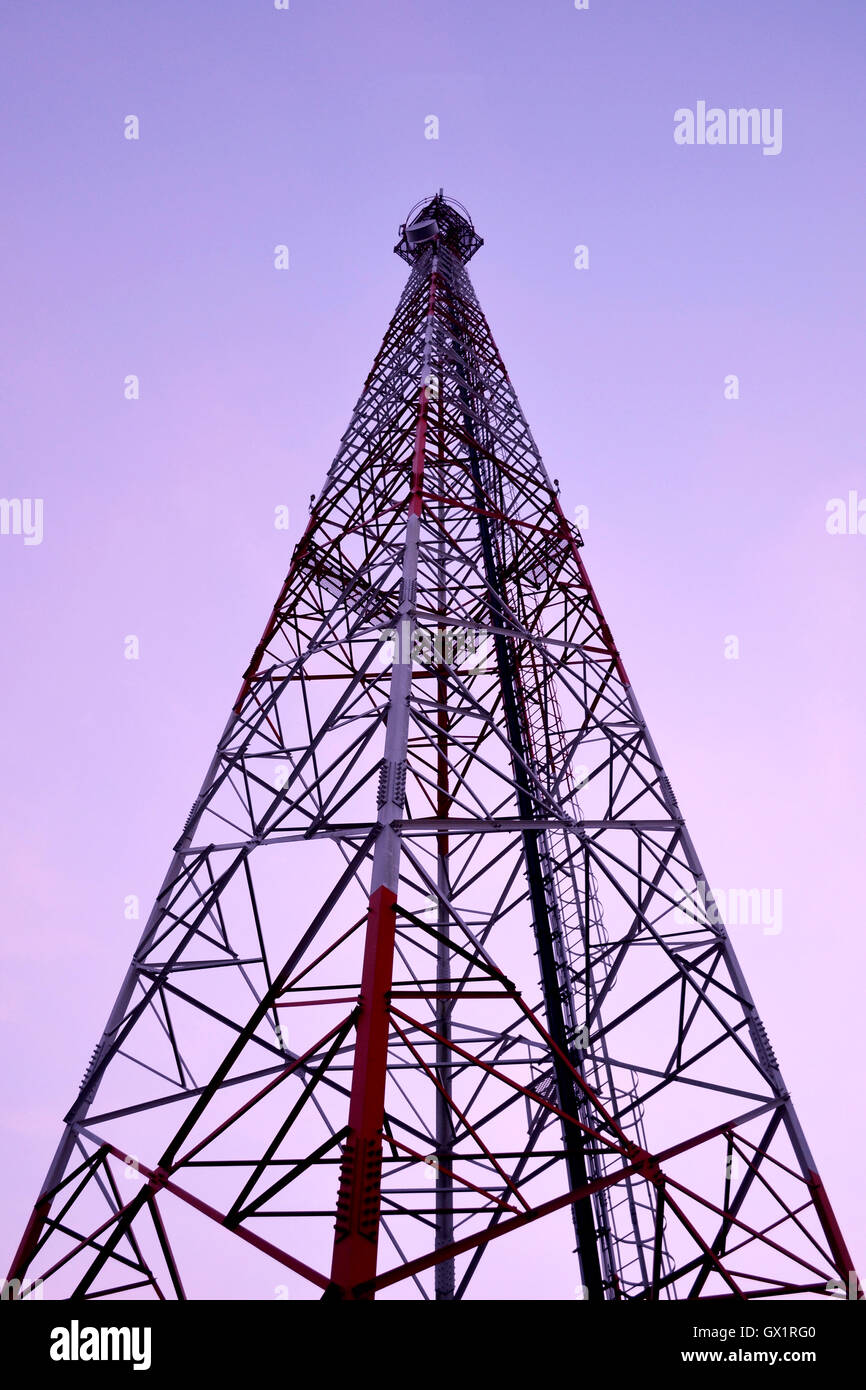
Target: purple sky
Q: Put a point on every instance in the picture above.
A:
(706, 515)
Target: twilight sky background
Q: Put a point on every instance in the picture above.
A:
(706, 515)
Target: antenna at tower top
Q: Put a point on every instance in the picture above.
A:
(440, 217)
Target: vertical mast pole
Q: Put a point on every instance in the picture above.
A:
(359, 1198)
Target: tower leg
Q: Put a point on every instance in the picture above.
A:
(357, 1225)
(359, 1199)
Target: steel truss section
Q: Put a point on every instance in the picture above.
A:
(515, 1002)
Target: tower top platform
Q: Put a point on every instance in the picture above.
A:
(438, 216)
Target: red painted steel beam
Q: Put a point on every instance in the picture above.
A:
(357, 1225)
(29, 1241)
(832, 1231)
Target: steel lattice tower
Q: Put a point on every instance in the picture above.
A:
(514, 1001)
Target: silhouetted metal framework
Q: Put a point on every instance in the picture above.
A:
(434, 960)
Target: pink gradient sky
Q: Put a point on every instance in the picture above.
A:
(707, 516)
